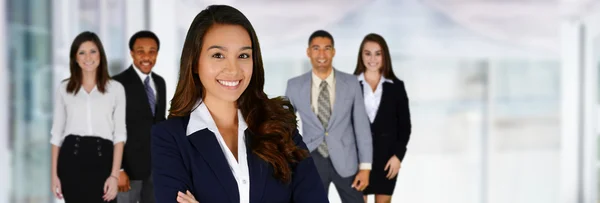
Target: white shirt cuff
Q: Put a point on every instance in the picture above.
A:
(119, 138)
(56, 141)
(364, 166)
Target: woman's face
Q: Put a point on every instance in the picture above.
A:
(372, 56)
(225, 63)
(88, 56)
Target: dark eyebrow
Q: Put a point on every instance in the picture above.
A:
(225, 49)
(217, 47)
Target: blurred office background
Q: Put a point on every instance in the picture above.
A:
(504, 94)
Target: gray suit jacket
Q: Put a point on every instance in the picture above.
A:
(349, 135)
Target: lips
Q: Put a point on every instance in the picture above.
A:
(229, 83)
(372, 64)
(146, 63)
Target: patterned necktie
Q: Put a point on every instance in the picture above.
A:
(150, 94)
(324, 112)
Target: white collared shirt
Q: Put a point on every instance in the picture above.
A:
(143, 77)
(372, 98)
(89, 114)
(201, 119)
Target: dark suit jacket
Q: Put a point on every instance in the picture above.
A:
(392, 127)
(139, 121)
(197, 163)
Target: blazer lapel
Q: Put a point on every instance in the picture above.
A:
(340, 85)
(160, 100)
(306, 97)
(258, 170)
(141, 89)
(206, 144)
(385, 88)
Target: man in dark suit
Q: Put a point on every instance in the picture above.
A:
(146, 104)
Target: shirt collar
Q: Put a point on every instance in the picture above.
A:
(329, 79)
(361, 78)
(139, 72)
(201, 119)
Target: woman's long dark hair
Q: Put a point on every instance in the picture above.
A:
(386, 70)
(76, 78)
(272, 121)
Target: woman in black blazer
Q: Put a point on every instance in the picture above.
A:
(225, 140)
(386, 103)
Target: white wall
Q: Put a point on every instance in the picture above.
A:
(163, 22)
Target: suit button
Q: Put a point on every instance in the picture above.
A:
(75, 152)
(243, 181)
(99, 148)
(99, 153)
(76, 145)
(98, 140)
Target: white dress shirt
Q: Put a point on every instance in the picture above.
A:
(89, 114)
(372, 98)
(143, 77)
(314, 97)
(201, 119)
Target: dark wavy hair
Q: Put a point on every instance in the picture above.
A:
(76, 77)
(272, 121)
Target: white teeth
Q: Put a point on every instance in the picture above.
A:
(229, 83)
(321, 61)
(146, 64)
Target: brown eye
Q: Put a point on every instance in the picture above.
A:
(244, 56)
(218, 55)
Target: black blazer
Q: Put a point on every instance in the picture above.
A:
(139, 121)
(392, 127)
(197, 163)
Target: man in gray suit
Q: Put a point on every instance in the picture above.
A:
(334, 120)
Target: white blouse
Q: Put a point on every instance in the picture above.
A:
(89, 114)
(372, 98)
(201, 119)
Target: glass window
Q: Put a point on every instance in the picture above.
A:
(29, 43)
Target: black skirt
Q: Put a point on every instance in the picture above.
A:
(84, 164)
(383, 150)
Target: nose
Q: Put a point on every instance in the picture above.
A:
(370, 57)
(87, 56)
(231, 66)
(321, 53)
(144, 56)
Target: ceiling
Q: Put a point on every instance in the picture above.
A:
(481, 28)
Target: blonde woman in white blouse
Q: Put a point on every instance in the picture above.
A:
(88, 130)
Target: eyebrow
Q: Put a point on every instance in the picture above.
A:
(142, 48)
(225, 49)
(317, 46)
(81, 50)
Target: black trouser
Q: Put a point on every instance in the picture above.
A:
(84, 164)
(329, 175)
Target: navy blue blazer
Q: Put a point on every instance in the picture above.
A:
(197, 163)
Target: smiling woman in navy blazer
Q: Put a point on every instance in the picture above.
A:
(225, 140)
